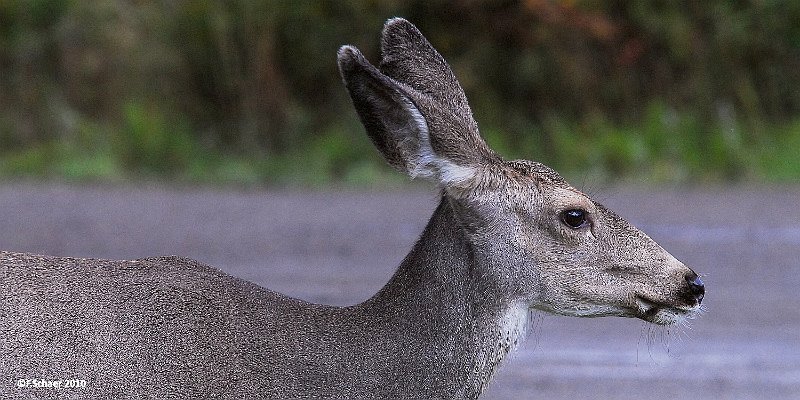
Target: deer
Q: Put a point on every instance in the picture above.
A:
(507, 238)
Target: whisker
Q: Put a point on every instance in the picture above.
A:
(534, 328)
(642, 334)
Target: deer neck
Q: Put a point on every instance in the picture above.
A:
(443, 301)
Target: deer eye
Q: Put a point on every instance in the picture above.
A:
(575, 218)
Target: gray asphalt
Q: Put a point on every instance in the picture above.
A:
(340, 247)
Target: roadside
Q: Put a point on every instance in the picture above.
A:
(340, 247)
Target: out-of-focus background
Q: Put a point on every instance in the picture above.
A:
(684, 117)
(247, 92)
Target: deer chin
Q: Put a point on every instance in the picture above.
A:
(587, 310)
(661, 313)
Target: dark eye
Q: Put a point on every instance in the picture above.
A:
(574, 219)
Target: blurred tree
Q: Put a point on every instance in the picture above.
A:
(259, 78)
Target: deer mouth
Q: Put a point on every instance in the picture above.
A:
(661, 313)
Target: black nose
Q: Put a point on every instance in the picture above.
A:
(696, 287)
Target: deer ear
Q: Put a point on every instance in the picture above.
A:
(388, 110)
(391, 119)
(408, 57)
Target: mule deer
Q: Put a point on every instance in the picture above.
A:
(507, 237)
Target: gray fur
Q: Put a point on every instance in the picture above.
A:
(494, 249)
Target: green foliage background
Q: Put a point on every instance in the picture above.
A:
(248, 91)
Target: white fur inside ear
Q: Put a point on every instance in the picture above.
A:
(427, 164)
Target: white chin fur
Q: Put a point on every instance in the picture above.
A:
(663, 315)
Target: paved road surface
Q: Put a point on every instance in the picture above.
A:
(341, 247)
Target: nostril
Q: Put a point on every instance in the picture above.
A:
(696, 286)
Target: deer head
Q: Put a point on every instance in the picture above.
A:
(539, 241)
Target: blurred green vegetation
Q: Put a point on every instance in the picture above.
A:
(248, 91)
